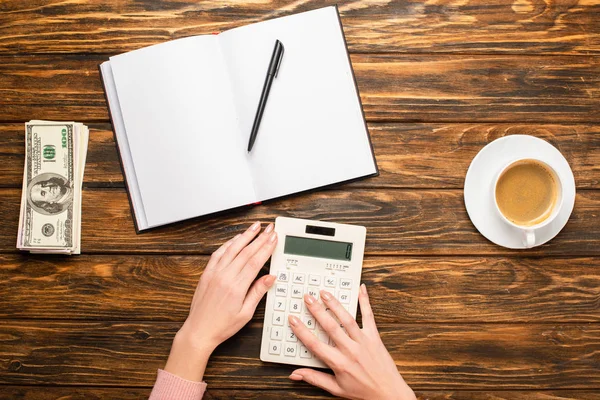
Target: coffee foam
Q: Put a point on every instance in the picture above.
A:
(527, 192)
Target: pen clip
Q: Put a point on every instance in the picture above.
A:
(280, 58)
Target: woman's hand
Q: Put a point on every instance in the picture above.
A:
(224, 300)
(362, 366)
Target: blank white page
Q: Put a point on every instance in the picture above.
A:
(312, 132)
(180, 121)
(125, 153)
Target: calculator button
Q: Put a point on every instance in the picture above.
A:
(279, 304)
(298, 277)
(304, 353)
(278, 318)
(297, 291)
(314, 280)
(330, 281)
(281, 290)
(309, 322)
(332, 292)
(323, 337)
(344, 296)
(313, 292)
(290, 336)
(283, 276)
(295, 306)
(306, 310)
(290, 350)
(276, 333)
(274, 348)
(345, 283)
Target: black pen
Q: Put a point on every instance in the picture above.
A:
(271, 74)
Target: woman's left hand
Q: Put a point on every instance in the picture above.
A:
(224, 301)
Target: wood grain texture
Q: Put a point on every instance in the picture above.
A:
(97, 393)
(433, 156)
(72, 393)
(515, 27)
(413, 88)
(464, 319)
(402, 290)
(426, 222)
(439, 356)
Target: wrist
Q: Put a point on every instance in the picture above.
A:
(188, 357)
(192, 339)
(406, 393)
(398, 391)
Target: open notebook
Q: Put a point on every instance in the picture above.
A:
(182, 112)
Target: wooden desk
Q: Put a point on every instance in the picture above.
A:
(464, 319)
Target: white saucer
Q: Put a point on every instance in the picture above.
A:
(482, 173)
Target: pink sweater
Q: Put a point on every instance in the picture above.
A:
(172, 387)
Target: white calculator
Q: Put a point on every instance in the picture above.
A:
(310, 256)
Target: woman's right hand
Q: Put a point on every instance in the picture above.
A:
(362, 365)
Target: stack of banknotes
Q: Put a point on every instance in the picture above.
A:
(50, 220)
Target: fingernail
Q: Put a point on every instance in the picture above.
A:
(293, 320)
(309, 299)
(269, 228)
(326, 295)
(296, 377)
(363, 288)
(269, 280)
(255, 226)
(273, 237)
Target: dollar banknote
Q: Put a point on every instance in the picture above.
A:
(50, 219)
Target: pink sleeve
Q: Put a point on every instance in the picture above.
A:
(172, 387)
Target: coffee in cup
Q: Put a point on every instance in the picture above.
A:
(527, 192)
(528, 195)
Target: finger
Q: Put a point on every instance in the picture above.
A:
(258, 260)
(210, 268)
(216, 256)
(368, 319)
(327, 322)
(257, 292)
(342, 315)
(318, 379)
(329, 355)
(240, 243)
(242, 259)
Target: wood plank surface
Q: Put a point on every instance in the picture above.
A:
(431, 357)
(97, 393)
(425, 222)
(514, 27)
(411, 155)
(402, 290)
(413, 88)
(463, 318)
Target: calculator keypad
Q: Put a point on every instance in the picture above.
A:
(289, 292)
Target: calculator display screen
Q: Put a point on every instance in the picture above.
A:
(302, 246)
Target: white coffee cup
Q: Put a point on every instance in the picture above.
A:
(528, 232)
